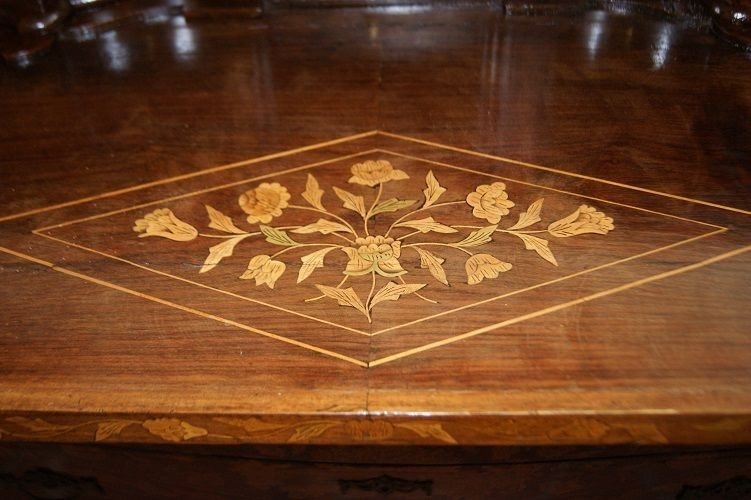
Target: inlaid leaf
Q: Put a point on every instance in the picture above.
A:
(426, 225)
(356, 266)
(313, 193)
(38, 425)
(392, 205)
(483, 265)
(218, 252)
(428, 430)
(191, 431)
(253, 425)
(479, 237)
(108, 429)
(351, 201)
(390, 268)
(311, 262)
(433, 191)
(221, 222)
(539, 245)
(432, 263)
(345, 297)
(392, 291)
(323, 226)
(308, 430)
(531, 216)
(277, 236)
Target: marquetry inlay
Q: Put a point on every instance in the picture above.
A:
(374, 258)
(376, 247)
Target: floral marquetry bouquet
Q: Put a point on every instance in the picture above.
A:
(374, 256)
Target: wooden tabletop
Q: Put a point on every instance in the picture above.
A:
(358, 226)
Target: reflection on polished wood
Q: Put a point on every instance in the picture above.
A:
(28, 30)
(118, 355)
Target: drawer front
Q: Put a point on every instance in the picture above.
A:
(66, 471)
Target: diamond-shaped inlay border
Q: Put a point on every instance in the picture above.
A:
(657, 235)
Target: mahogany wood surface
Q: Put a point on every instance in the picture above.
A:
(607, 111)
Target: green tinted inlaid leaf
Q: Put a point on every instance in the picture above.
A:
(277, 236)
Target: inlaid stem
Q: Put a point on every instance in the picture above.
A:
(439, 245)
(340, 219)
(437, 205)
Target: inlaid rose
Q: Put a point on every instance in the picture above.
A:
(371, 173)
(264, 202)
(490, 202)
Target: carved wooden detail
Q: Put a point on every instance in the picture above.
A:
(28, 30)
(90, 18)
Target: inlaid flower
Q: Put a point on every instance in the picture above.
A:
(585, 219)
(482, 265)
(374, 254)
(371, 173)
(162, 222)
(264, 202)
(264, 270)
(490, 202)
(172, 429)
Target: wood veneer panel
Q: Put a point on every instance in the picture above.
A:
(662, 360)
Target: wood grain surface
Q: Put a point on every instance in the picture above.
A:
(637, 333)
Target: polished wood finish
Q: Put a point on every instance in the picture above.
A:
(222, 9)
(28, 30)
(641, 118)
(94, 19)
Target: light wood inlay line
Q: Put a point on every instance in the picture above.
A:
(557, 280)
(468, 306)
(210, 170)
(564, 172)
(208, 287)
(374, 255)
(181, 307)
(40, 232)
(202, 191)
(570, 193)
(548, 310)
